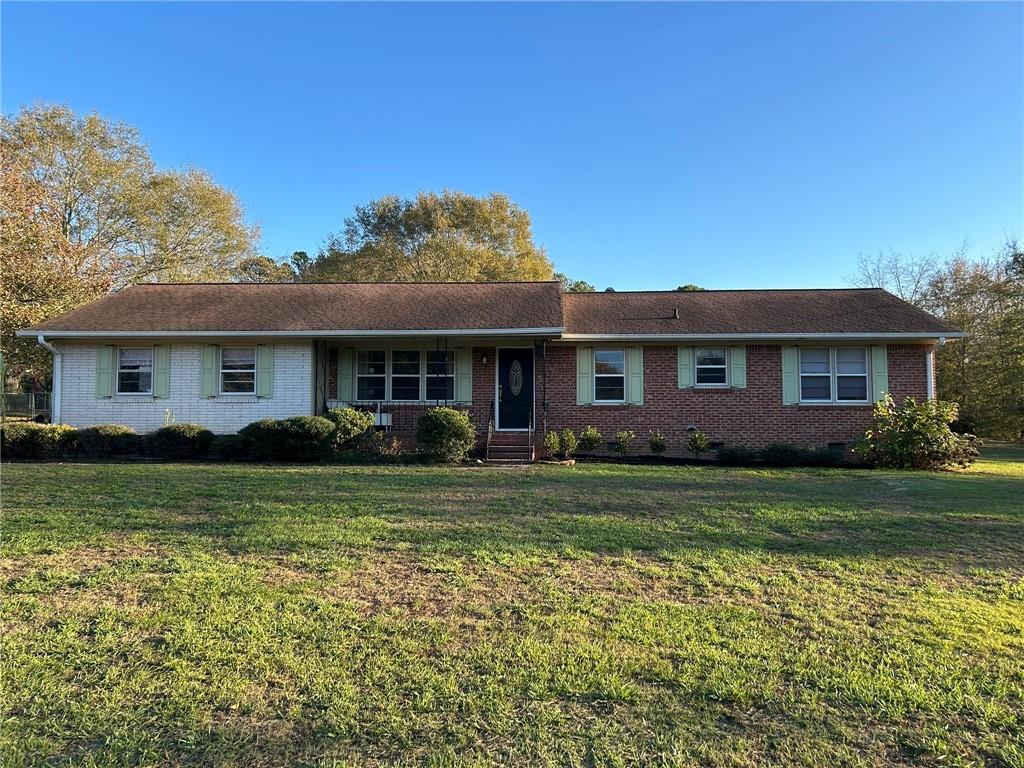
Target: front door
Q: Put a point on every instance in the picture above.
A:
(515, 388)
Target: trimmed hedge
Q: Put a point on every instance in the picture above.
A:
(446, 433)
(109, 440)
(29, 440)
(180, 441)
(350, 426)
(298, 438)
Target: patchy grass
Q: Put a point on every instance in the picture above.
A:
(593, 615)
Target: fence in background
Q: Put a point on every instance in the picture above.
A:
(26, 405)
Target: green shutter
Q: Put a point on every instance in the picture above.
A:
(208, 377)
(684, 362)
(879, 372)
(738, 367)
(161, 371)
(790, 375)
(104, 371)
(464, 374)
(584, 375)
(346, 363)
(264, 370)
(635, 373)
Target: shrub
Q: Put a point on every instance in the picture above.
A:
(446, 433)
(824, 457)
(590, 439)
(698, 443)
(552, 444)
(569, 443)
(228, 448)
(381, 445)
(298, 438)
(624, 441)
(109, 440)
(738, 455)
(657, 442)
(785, 455)
(349, 425)
(916, 436)
(29, 440)
(180, 441)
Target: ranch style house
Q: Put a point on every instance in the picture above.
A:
(746, 367)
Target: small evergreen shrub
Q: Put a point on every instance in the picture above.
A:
(590, 439)
(298, 438)
(180, 441)
(916, 436)
(624, 441)
(698, 443)
(104, 440)
(738, 455)
(29, 440)
(552, 444)
(381, 445)
(228, 448)
(785, 455)
(447, 434)
(657, 442)
(349, 426)
(569, 443)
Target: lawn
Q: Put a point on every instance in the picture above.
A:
(591, 615)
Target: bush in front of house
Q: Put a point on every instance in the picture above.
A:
(228, 448)
(916, 435)
(698, 443)
(738, 455)
(552, 444)
(29, 440)
(350, 425)
(785, 455)
(590, 439)
(297, 438)
(569, 443)
(104, 440)
(624, 441)
(447, 434)
(180, 441)
(656, 442)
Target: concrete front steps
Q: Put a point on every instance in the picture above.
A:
(510, 448)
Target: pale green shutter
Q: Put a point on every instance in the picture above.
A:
(161, 371)
(790, 375)
(879, 372)
(684, 362)
(264, 370)
(635, 373)
(584, 375)
(104, 371)
(738, 367)
(464, 374)
(208, 375)
(346, 362)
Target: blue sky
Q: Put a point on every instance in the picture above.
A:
(729, 145)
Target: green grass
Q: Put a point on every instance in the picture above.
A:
(593, 615)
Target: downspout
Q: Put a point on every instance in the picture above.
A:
(55, 394)
(930, 366)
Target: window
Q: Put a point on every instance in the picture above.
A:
(834, 375)
(370, 375)
(238, 370)
(135, 371)
(609, 375)
(710, 366)
(440, 375)
(405, 375)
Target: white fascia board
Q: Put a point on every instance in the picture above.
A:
(759, 336)
(57, 334)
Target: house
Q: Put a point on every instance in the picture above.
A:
(748, 367)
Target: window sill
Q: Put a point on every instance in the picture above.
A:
(232, 398)
(129, 398)
(835, 403)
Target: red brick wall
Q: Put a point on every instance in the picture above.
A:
(754, 416)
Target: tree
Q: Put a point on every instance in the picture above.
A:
(445, 237)
(263, 269)
(573, 286)
(908, 277)
(689, 287)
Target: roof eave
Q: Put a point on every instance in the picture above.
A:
(352, 334)
(852, 336)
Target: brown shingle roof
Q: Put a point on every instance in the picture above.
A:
(300, 307)
(853, 310)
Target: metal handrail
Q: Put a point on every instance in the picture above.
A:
(490, 434)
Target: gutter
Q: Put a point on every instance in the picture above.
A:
(58, 359)
(854, 336)
(308, 334)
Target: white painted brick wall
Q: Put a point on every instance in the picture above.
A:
(293, 392)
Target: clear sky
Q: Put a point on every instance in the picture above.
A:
(729, 145)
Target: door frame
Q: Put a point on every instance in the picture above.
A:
(533, 389)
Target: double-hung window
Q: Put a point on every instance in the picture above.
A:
(440, 375)
(405, 375)
(711, 367)
(135, 371)
(609, 375)
(371, 374)
(238, 370)
(836, 375)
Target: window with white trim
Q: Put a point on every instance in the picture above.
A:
(405, 374)
(238, 370)
(135, 371)
(440, 375)
(609, 375)
(371, 374)
(710, 365)
(834, 375)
